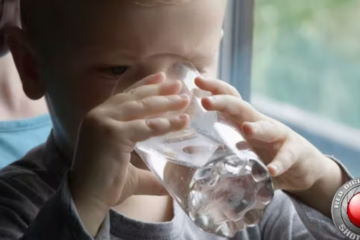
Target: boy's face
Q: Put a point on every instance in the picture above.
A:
(114, 35)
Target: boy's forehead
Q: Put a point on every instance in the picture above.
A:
(196, 18)
(140, 25)
(112, 27)
(157, 2)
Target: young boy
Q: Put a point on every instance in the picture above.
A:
(86, 183)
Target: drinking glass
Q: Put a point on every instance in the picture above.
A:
(221, 187)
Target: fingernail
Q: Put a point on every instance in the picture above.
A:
(153, 122)
(253, 126)
(211, 99)
(248, 128)
(171, 83)
(160, 75)
(183, 96)
(183, 117)
(274, 169)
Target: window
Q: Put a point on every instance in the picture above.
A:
(299, 62)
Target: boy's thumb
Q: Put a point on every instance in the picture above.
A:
(147, 184)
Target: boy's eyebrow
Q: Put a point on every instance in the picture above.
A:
(153, 3)
(201, 60)
(197, 60)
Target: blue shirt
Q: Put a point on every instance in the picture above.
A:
(19, 136)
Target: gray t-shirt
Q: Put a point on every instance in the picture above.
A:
(35, 204)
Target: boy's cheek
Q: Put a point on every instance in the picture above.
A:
(69, 104)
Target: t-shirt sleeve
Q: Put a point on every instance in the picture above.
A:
(29, 210)
(320, 226)
(289, 218)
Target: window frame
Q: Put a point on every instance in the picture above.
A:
(236, 47)
(235, 67)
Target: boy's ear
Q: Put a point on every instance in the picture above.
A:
(26, 62)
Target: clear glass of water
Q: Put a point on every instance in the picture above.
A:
(222, 188)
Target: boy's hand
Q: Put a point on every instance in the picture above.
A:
(295, 164)
(102, 176)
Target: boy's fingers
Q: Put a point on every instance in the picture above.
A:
(144, 91)
(265, 131)
(141, 130)
(216, 87)
(152, 79)
(163, 89)
(150, 107)
(149, 80)
(243, 145)
(236, 108)
(284, 159)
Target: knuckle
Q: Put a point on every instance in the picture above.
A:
(94, 118)
(120, 98)
(271, 124)
(170, 99)
(272, 138)
(233, 91)
(156, 124)
(131, 91)
(247, 105)
(218, 90)
(275, 124)
(146, 102)
(272, 128)
(131, 133)
(100, 125)
(127, 107)
(289, 157)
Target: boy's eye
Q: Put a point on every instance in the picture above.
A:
(201, 68)
(118, 70)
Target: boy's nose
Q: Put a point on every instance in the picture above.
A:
(176, 70)
(175, 67)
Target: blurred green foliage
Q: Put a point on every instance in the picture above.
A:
(307, 54)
